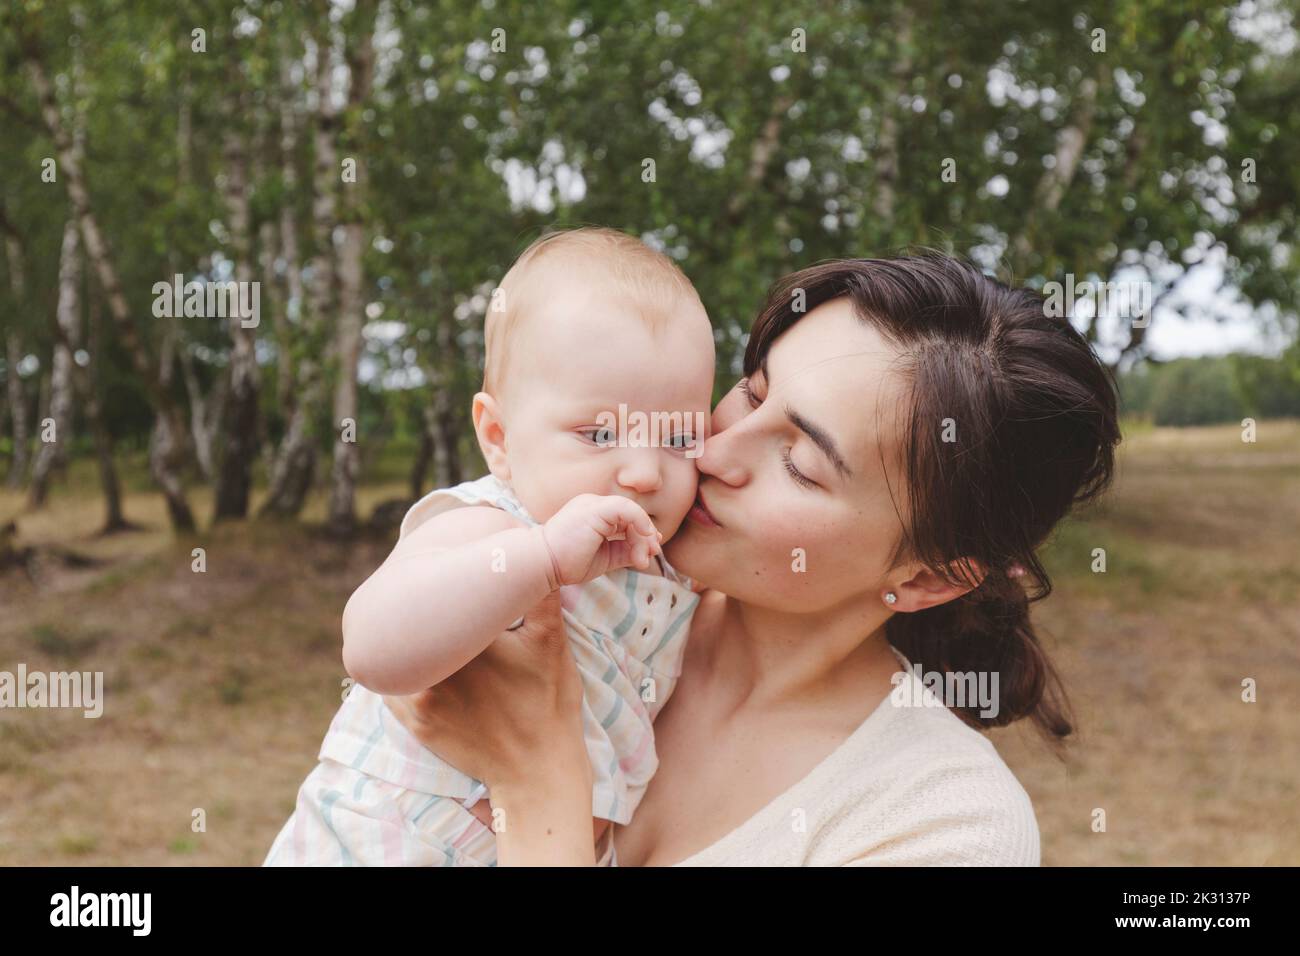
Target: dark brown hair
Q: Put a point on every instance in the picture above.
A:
(1036, 428)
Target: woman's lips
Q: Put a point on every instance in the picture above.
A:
(700, 513)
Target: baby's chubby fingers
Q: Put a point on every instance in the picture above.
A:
(650, 543)
(647, 546)
(624, 519)
(593, 533)
(632, 535)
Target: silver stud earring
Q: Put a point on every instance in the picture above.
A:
(890, 597)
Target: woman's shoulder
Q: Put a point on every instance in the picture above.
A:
(928, 789)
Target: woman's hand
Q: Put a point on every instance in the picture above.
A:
(512, 718)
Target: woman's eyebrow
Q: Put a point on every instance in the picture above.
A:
(821, 438)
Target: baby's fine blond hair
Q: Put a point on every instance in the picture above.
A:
(647, 277)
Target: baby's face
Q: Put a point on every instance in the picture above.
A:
(565, 433)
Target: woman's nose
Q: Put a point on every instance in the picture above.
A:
(723, 455)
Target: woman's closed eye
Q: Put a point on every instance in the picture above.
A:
(798, 476)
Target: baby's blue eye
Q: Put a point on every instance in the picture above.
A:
(681, 440)
(603, 436)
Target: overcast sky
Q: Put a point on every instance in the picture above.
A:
(1219, 321)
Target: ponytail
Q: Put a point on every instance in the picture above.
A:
(988, 631)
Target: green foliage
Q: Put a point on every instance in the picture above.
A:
(768, 157)
(1268, 388)
(1194, 392)
(1203, 391)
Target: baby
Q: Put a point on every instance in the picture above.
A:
(594, 342)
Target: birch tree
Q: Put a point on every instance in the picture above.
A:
(169, 450)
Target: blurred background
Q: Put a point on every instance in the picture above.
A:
(375, 166)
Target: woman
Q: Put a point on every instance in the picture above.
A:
(907, 434)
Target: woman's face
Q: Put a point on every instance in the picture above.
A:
(797, 474)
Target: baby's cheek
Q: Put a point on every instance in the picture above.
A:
(558, 483)
(684, 483)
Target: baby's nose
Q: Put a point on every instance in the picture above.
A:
(640, 471)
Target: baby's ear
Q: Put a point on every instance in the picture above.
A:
(490, 429)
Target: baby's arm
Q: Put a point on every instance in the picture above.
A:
(441, 597)
(460, 579)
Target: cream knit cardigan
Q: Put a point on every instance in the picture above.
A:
(912, 786)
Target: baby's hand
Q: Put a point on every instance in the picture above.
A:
(594, 534)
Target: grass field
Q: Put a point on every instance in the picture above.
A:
(219, 685)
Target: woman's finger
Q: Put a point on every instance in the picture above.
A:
(506, 704)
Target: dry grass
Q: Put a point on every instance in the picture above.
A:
(1202, 590)
(219, 685)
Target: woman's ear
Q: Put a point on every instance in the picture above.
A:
(925, 589)
(490, 429)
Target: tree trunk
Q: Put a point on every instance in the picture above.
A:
(343, 478)
(114, 518)
(238, 447)
(886, 152)
(13, 356)
(166, 440)
(424, 454)
(343, 483)
(85, 380)
(294, 304)
(170, 453)
(446, 458)
(440, 421)
(1071, 142)
(275, 303)
(42, 400)
(67, 316)
(205, 413)
(447, 468)
(17, 411)
(761, 154)
(295, 463)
